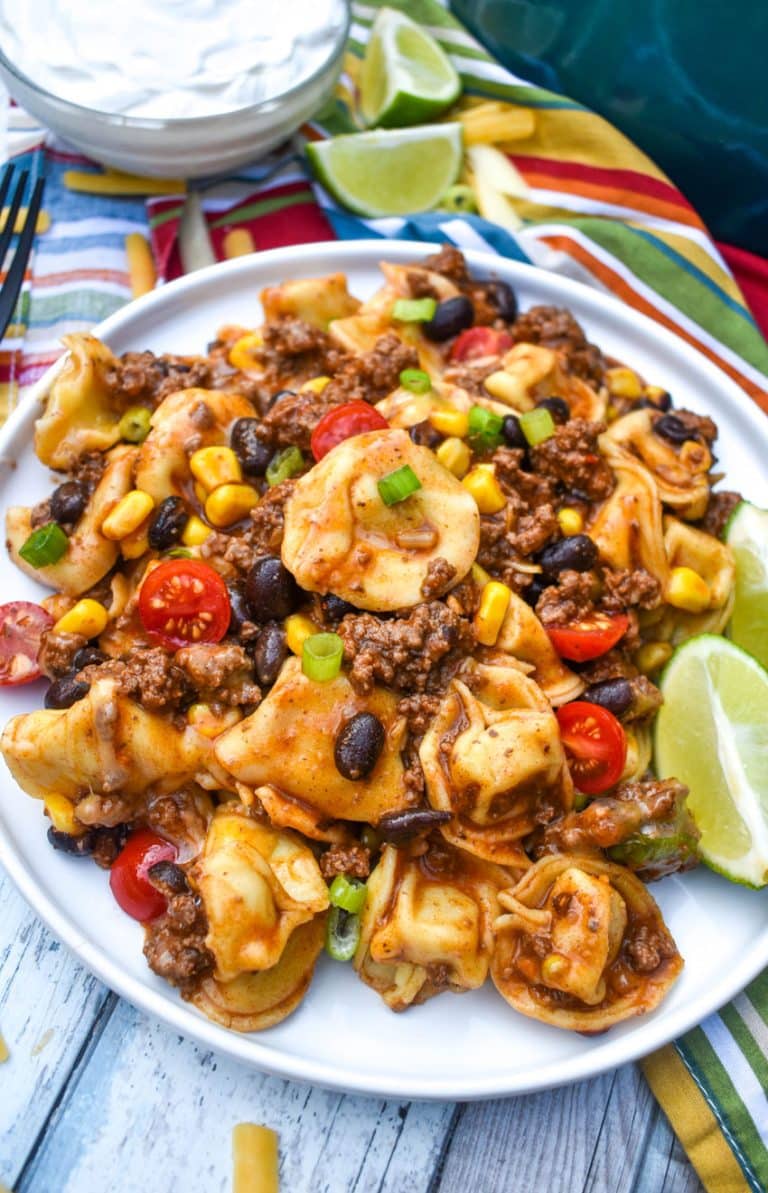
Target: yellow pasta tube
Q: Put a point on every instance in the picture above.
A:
(141, 266)
(254, 1159)
(493, 124)
(42, 225)
(112, 182)
(238, 242)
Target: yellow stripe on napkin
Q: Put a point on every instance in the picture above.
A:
(693, 1122)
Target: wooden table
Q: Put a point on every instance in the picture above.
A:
(97, 1098)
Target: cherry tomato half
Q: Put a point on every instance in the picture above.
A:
(588, 638)
(128, 876)
(22, 624)
(475, 342)
(183, 601)
(342, 422)
(595, 745)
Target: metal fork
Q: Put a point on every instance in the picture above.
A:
(9, 291)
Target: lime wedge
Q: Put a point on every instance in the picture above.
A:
(405, 77)
(389, 173)
(747, 535)
(711, 733)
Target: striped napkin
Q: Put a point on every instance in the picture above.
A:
(596, 209)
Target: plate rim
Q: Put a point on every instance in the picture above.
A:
(250, 1049)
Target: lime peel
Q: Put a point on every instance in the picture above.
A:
(747, 536)
(405, 77)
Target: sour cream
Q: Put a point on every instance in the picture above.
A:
(169, 58)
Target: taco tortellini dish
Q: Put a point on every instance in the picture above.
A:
(351, 635)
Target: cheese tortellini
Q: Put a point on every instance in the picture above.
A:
(427, 924)
(681, 474)
(523, 637)
(340, 537)
(81, 413)
(582, 945)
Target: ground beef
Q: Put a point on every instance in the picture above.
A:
(527, 490)
(464, 598)
(219, 672)
(291, 421)
(298, 349)
(555, 327)
(107, 843)
(88, 469)
(449, 262)
(175, 946)
(263, 536)
(526, 523)
(57, 652)
(182, 816)
(721, 506)
(419, 711)
(373, 375)
(647, 947)
(615, 664)
(470, 377)
(646, 699)
(439, 575)
(623, 588)
(142, 377)
(571, 456)
(569, 600)
(413, 654)
(41, 514)
(352, 860)
(148, 675)
(420, 285)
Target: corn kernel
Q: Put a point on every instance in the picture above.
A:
(508, 389)
(195, 532)
(62, 813)
(454, 455)
(652, 655)
(553, 966)
(450, 422)
(482, 484)
(623, 383)
(696, 457)
(133, 546)
(687, 590)
(214, 466)
(127, 515)
(655, 393)
(244, 352)
(210, 723)
(479, 575)
(494, 603)
(316, 385)
(87, 617)
(297, 629)
(570, 520)
(201, 493)
(230, 503)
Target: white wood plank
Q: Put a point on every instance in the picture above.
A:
(665, 1168)
(159, 1111)
(630, 1116)
(48, 1005)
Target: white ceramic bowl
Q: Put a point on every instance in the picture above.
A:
(343, 1035)
(181, 148)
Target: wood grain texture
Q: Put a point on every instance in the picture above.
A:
(96, 1098)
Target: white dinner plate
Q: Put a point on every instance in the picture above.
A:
(342, 1035)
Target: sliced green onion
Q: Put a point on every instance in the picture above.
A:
(321, 656)
(350, 896)
(342, 934)
(398, 485)
(414, 310)
(44, 546)
(134, 425)
(180, 553)
(283, 464)
(484, 429)
(580, 801)
(537, 425)
(370, 839)
(459, 198)
(416, 380)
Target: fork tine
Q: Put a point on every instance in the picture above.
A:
(10, 223)
(9, 291)
(5, 183)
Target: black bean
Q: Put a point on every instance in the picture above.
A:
(512, 432)
(81, 846)
(613, 694)
(88, 656)
(672, 428)
(502, 296)
(68, 501)
(450, 317)
(252, 452)
(662, 402)
(239, 610)
(557, 407)
(358, 745)
(270, 590)
(401, 826)
(269, 653)
(281, 393)
(65, 692)
(169, 877)
(577, 553)
(335, 608)
(534, 590)
(168, 524)
(425, 434)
